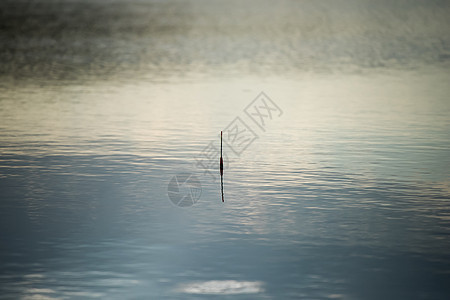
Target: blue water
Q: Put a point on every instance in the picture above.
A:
(342, 194)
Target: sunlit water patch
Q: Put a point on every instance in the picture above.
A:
(222, 287)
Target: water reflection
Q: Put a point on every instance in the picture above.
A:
(225, 287)
(306, 202)
(158, 39)
(344, 196)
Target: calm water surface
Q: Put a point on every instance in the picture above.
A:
(345, 195)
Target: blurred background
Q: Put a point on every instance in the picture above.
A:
(345, 195)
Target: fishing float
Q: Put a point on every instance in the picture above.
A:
(221, 165)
